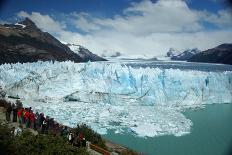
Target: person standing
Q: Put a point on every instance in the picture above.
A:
(19, 114)
(32, 119)
(80, 136)
(8, 112)
(44, 127)
(65, 132)
(56, 129)
(15, 110)
(70, 137)
(83, 142)
(48, 123)
(23, 115)
(41, 119)
(27, 118)
(37, 120)
(76, 141)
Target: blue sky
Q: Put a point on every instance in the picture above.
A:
(97, 6)
(132, 27)
(105, 8)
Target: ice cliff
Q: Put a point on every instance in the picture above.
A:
(144, 101)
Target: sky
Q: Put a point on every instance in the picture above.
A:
(132, 27)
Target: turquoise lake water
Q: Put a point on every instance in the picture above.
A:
(211, 134)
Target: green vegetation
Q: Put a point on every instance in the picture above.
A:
(6, 140)
(96, 139)
(28, 144)
(91, 135)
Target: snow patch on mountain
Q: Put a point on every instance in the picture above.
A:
(84, 53)
(74, 47)
(173, 52)
(23, 26)
(77, 49)
(182, 56)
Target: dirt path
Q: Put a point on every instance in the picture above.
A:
(115, 147)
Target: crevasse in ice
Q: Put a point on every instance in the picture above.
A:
(144, 101)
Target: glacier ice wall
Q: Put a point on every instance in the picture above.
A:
(146, 101)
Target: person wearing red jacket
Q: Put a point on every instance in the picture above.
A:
(32, 119)
(20, 115)
(27, 118)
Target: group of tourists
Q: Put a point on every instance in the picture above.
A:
(40, 123)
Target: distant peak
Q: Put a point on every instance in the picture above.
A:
(28, 22)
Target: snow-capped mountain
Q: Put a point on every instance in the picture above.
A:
(219, 54)
(84, 53)
(182, 56)
(25, 42)
(172, 52)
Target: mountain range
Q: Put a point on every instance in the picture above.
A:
(182, 56)
(220, 54)
(25, 42)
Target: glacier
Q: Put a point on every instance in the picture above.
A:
(146, 101)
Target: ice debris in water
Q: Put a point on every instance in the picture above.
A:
(144, 101)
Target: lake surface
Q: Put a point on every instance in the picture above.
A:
(182, 65)
(211, 134)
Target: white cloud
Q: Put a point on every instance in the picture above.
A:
(152, 45)
(144, 28)
(223, 18)
(147, 17)
(44, 22)
(81, 22)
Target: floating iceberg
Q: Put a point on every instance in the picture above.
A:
(145, 101)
